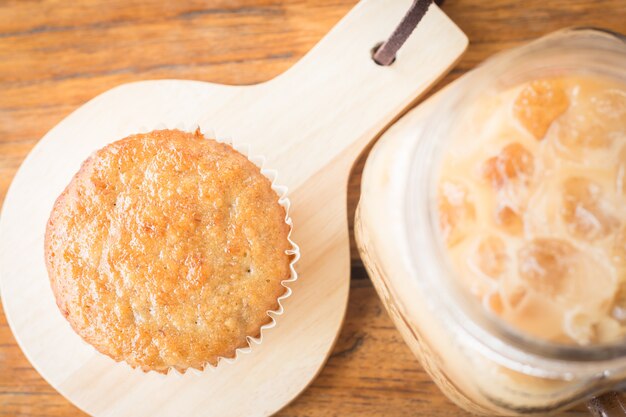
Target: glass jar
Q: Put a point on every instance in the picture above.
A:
(481, 364)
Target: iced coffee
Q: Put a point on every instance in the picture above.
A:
(532, 207)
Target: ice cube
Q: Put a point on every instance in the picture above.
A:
(579, 325)
(577, 132)
(493, 303)
(607, 330)
(585, 211)
(513, 162)
(456, 211)
(545, 263)
(509, 220)
(587, 327)
(490, 256)
(610, 104)
(538, 104)
(568, 276)
(515, 296)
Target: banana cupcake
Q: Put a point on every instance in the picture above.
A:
(167, 250)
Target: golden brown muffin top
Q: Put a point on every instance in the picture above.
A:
(167, 249)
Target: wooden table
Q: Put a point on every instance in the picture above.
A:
(55, 55)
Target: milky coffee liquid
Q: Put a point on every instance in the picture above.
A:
(532, 207)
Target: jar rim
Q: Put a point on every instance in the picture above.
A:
(500, 340)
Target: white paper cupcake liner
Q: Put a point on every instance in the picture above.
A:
(294, 252)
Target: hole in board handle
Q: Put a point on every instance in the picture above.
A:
(373, 52)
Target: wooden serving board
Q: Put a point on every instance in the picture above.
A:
(310, 123)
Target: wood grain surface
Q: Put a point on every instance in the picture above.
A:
(55, 55)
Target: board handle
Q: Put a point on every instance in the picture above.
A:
(337, 97)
